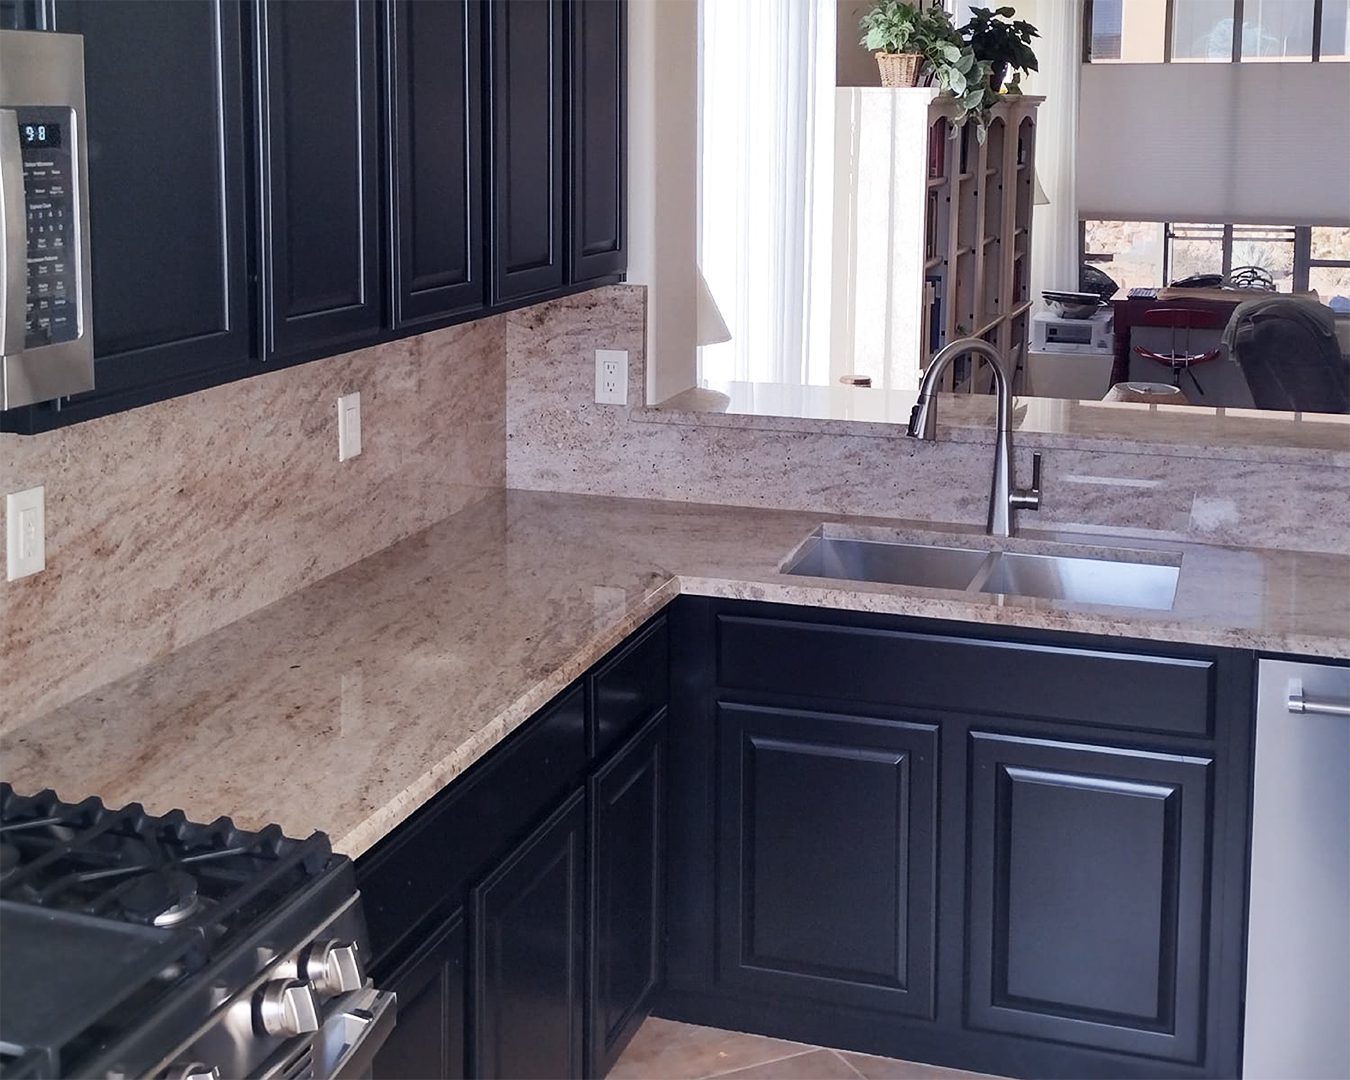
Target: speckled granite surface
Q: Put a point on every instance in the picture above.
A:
(348, 704)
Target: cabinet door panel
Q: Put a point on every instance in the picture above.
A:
(826, 853)
(628, 856)
(321, 237)
(435, 76)
(1087, 885)
(428, 1039)
(598, 140)
(529, 954)
(526, 101)
(166, 187)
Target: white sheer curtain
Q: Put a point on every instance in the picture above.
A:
(1059, 49)
(766, 105)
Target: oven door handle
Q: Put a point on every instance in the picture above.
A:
(13, 238)
(357, 1033)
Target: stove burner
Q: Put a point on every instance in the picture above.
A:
(9, 857)
(161, 898)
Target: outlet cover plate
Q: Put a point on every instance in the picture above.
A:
(611, 377)
(25, 532)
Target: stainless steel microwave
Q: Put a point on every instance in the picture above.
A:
(46, 324)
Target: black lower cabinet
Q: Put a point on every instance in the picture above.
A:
(428, 1039)
(529, 955)
(1018, 853)
(628, 823)
(1088, 868)
(827, 847)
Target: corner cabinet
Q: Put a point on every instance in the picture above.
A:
(1003, 851)
(520, 914)
(280, 181)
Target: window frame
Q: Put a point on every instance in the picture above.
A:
(1169, 18)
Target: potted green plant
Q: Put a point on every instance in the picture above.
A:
(1004, 43)
(901, 34)
(915, 44)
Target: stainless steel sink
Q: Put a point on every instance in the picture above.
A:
(894, 564)
(1077, 579)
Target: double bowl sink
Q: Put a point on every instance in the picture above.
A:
(1125, 582)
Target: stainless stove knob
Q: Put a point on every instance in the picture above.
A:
(286, 1007)
(332, 968)
(191, 1070)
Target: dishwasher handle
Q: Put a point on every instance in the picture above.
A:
(1300, 703)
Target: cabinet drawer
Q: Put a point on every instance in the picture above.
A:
(1146, 692)
(630, 686)
(425, 866)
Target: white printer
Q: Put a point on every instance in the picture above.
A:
(1054, 333)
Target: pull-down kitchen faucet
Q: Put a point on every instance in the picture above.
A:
(1004, 496)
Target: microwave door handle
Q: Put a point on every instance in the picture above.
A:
(14, 233)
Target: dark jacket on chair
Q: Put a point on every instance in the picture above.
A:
(1289, 355)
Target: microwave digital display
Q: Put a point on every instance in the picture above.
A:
(40, 136)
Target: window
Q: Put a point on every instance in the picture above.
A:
(1154, 253)
(1217, 31)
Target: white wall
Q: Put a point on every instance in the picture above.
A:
(1261, 144)
(663, 184)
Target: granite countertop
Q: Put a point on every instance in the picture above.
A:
(347, 705)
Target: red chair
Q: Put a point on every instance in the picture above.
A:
(1180, 355)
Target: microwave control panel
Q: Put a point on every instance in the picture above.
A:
(49, 194)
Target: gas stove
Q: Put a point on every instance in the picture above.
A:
(142, 945)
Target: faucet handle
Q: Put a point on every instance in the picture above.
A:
(1029, 498)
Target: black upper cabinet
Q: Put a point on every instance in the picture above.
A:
(1088, 879)
(428, 1040)
(827, 852)
(597, 140)
(527, 50)
(528, 932)
(319, 176)
(434, 53)
(167, 191)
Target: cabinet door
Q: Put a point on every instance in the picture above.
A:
(525, 95)
(598, 140)
(1087, 883)
(627, 801)
(428, 1039)
(320, 182)
(166, 189)
(826, 857)
(529, 928)
(435, 125)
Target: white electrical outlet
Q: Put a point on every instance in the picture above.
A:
(25, 533)
(611, 377)
(349, 426)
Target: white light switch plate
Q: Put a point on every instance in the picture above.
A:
(25, 532)
(611, 377)
(349, 426)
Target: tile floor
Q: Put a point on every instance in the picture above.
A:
(665, 1050)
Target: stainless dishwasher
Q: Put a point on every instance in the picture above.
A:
(1298, 934)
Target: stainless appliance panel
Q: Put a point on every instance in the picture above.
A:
(1298, 947)
(45, 218)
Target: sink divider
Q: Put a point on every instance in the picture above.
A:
(984, 573)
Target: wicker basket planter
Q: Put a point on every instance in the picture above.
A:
(899, 69)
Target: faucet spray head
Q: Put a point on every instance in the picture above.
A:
(923, 419)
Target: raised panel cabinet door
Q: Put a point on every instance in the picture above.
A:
(826, 857)
(435, 126)
(1087, 892)
(167, 204)
(528, 157)
(597, 140)
(528, 926)
(627, 801)
(428, 1039)
(319, 172)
